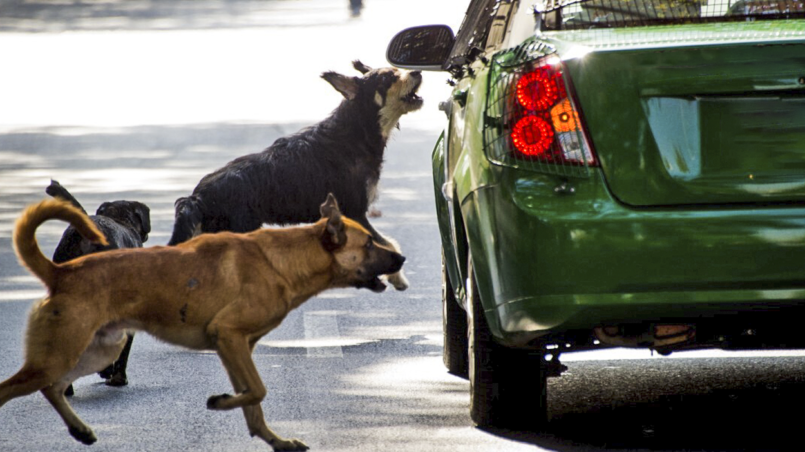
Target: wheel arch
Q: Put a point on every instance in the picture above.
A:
(478, 258)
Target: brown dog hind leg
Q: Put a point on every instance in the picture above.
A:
(43, 366)
(103, 349)
(30, 379)
(54, 351)
(77, 428)
(26, 381)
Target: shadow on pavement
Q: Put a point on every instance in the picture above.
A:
(754, 411)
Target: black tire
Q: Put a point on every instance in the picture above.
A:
(454, 329)
(508, 387)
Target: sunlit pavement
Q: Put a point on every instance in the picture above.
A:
(139, 99)
(261, 63)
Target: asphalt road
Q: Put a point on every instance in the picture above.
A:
(138, 100)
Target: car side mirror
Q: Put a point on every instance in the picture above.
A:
(424, 48)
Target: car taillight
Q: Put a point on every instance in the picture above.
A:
(543, 121)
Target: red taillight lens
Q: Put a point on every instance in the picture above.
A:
(532, 136)
(543, 121)
(538, 90)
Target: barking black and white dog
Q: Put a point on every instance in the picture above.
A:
(125, 224)
(285, 183)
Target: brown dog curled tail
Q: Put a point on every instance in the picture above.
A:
(26, 246)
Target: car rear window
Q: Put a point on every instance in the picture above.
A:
(587, 14)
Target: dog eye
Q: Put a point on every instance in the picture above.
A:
(370, 244)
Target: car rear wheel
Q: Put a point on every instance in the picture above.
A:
(508, 387)
(454, 328)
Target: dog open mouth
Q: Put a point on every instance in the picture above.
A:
(374, 284)
(412, 98)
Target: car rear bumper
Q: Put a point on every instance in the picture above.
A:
(549, 257)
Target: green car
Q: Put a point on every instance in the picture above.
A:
(615, 173)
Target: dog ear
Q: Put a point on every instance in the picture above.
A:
(347, 86)
(143, 214)
(360, 67)
(330, 206)
(334, 234)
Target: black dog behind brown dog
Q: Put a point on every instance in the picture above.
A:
(285, 183)
(125, 224)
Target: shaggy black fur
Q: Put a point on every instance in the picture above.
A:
(286, 183)
(125, 224)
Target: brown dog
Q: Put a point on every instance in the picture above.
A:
(219, 292)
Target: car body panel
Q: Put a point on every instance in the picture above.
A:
(445, 216)
(665, 228)
(696, 124)
(623, 184)
(547, 261)
(542, 259)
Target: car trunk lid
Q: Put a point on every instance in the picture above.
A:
(696, 123)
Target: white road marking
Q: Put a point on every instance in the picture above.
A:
(321, 328)
(21, 295)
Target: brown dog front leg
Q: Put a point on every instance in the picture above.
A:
(235, 354)
(258, 427)
(214, 402)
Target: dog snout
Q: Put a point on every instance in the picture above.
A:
(397, 261)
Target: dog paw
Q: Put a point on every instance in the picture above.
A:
(214, 402)
(289, 445)
(118, 379)
(398, 280)
(83, 434)
(107, 372)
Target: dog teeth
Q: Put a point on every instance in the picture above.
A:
(411, 97)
